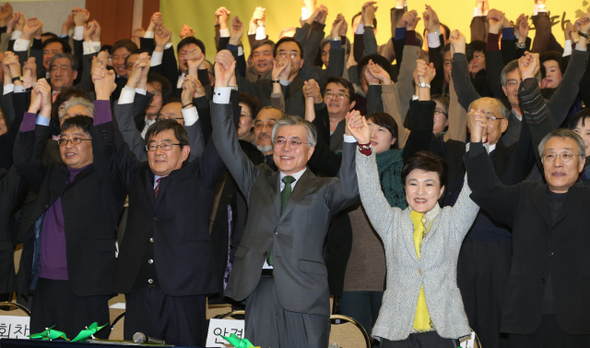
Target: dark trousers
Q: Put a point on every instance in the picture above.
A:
(270, 325)
(482, 275)
(363, 306)
(179, 320)
(548, 335)
(54, 303)
(421, 340)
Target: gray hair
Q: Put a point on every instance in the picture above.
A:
(563, 133)
(71, 57)
(513, 65)
(77, 101)
(289, 120)
(503, 110)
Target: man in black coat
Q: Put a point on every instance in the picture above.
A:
(70, 264)
(166, 265)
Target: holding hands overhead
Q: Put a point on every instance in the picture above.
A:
(225, 66)
(356, 125)
(186, 31)
(457, 40)
(311, 90)
(529, 65)
(41, 99)
(104, 80)
(431, 21)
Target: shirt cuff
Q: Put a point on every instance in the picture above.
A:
(21, 45)
(79, 33)
(102, 112)
(579, 48)
(304, 13)
(15, 34)
(567, 48)
(156, 58)
(285, 82)
(148, 35)
(360, 29)
(42, 121)
(141, 91)
(400, 33)
(477, 12)
(8, 88)
(221, 95)
(349, 139)
(19, 89)
(433, 40)
(91, 47)
(224, 32)
(508, 33)
(191, 116)
(405, 5)
(127, 95)
(28, 123)
(261, 33)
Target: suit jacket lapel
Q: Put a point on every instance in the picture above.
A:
(539, 195)
(274, 189)
(572, 199)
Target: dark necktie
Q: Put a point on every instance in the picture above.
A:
(287, 180)
(157, 188)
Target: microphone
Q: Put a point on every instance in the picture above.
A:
(140, 338)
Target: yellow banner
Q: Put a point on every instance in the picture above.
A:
(280, 14)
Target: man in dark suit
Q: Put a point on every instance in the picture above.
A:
(278, 267)
(70, 264)
(166, 265)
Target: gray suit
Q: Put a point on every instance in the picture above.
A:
(296, 236)
(406, 273)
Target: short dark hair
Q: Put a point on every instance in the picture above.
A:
(260, 43)
(582, 116)
(360, 13)
(551, 55)
(83, 122)
(385, 120)
(190, 40)
(164, 125)
(137, 51)
(447, 31)
(426, 161)
(344, 83)
(65, 47)
(287, 39)
(48, 34)
(444, 100)
(71, 57)
(126, 43)
(377, 59)
(165, 84)
(478, 45)
(270, 107)
(251, 101)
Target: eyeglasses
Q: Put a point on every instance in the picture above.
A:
(164, 146)
(512, 83)
(439, 112)
(564, 156)
(74, 141)
(493, 118)
(292, 143)
(330, 95)
(479, 56)
(291, 55)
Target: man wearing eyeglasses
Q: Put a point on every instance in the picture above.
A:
(69, 235)
(278, 266)
(547, 302)
(168, 263)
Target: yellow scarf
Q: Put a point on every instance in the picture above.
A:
(422, 318)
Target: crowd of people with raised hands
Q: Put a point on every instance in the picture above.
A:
(435, 189)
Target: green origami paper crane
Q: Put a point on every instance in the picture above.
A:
(237, 342)
(49, 334)
(90, 330)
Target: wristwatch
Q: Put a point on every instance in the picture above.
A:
(423, 85)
